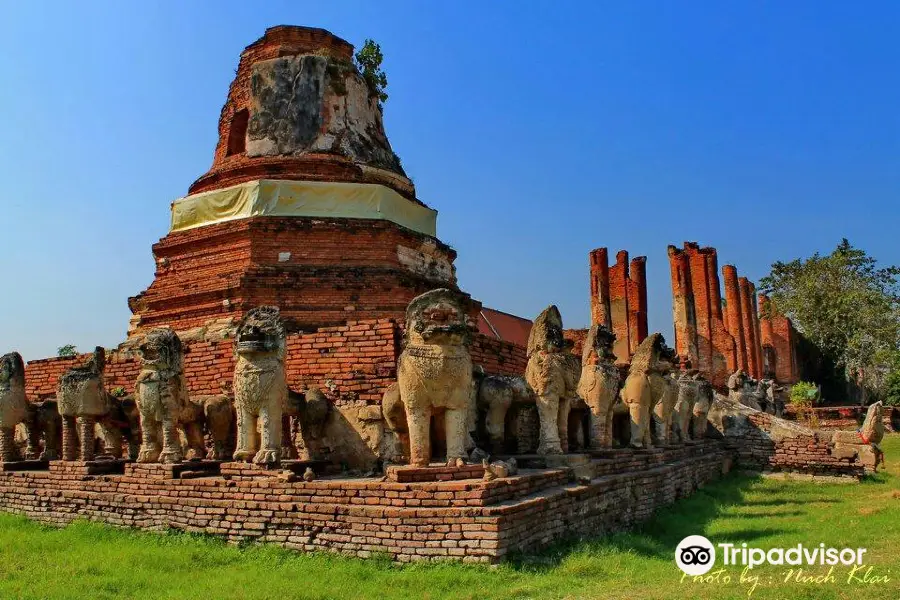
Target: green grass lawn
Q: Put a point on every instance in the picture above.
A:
(90, 561)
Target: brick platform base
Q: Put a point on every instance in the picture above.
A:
(470, 520)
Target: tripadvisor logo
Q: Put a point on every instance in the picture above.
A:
(696, 555)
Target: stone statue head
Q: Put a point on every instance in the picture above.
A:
(92, 369)
(598, 347)
(12, 370)
(161, 350)
(872, 430)
(647, 356)
(261, 332)
(737, 380)
(437, 317)
(547, 332)
(668, 359)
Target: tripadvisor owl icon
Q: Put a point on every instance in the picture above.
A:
(695, 555)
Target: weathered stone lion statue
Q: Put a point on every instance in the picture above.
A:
(688, 393)
(760, 393)
(570, 398)
(665, 395)
(162, 401)
(121, 426)
(637, 393)
(547, 374)
(82, 398)
(742, 389)
(434, 374)
(496, 395)
(260, 386)
(42, 422)
(700, 421)
(599, 384)
(864, 444)
(13, 404)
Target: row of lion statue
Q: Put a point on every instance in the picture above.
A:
(559, 404)
(161, 422)
(439, 394)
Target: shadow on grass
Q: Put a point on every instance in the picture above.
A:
(793, 499)
(657, 537)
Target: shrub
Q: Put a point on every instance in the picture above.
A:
(67, 350)
(368, 60)
(892, 391)
(804, 392)
(803, 396)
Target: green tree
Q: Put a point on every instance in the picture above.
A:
(368, 61)
(845, 305)
(67, 350)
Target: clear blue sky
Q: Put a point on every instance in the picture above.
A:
(539, 130)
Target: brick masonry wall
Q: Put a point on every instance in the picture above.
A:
(846, 418)
(498, 357)
(320, 272)
(470, 520)
(763, 442)
(351, 363)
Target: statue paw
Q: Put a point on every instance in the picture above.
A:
(266, 457)
(194, 454)
(168, 457)
(148, 455)
(456, 462)
(242, 456)
(550, 449)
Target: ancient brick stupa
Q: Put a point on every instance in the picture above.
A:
(306, 206)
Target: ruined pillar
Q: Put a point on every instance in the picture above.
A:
(705, 336)
(734, 322)
(702, 307)
(756, 330)
(769, 362)
(749, 328)
(600, 311)
(778, 340)
(619, 299)
(637, 291)
(683, 314)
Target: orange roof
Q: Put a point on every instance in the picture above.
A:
(504, 326)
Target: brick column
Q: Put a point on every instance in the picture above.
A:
(683, 315)
(749, 329)
(637, 289)
(600, 311)
(734, 322)
(756, 330)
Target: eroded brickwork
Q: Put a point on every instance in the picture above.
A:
(233, 165)
(749, 328)
(807, 453)
(778, 341)
(619, 299)
(695, 284)
(318, 271)
(470, 520)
